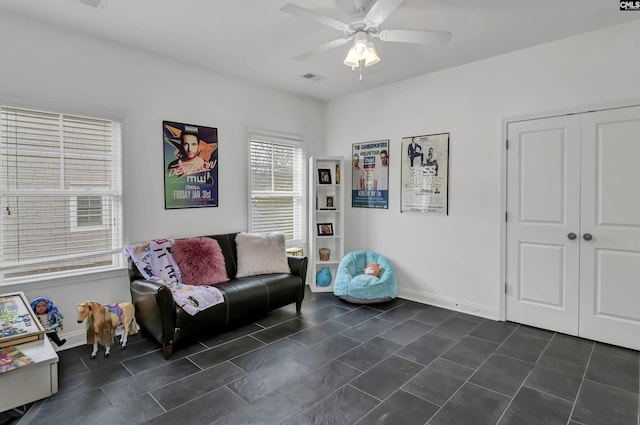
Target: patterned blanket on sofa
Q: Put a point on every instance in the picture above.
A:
(156, 264)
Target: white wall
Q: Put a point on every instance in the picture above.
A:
(456, 260)
(45, 67)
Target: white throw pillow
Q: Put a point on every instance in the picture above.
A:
(261, 254)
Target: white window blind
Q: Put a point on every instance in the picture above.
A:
(58, 174)
(276, 182)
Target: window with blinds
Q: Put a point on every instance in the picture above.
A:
(60, 194)
(276, 182)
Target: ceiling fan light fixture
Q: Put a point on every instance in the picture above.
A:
(360, 44)
(354, 60)
(363, 27)
(372, 57)
(351, 59)
(360, 49)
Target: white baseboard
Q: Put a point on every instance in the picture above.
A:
(450, 303)
(74, 339)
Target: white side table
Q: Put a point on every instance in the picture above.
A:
(34, 381)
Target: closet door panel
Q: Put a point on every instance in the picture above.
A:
(610, 227)
(543, 207)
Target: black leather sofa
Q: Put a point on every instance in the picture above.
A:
(244, 298)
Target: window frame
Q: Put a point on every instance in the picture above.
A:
(112, 215)
(296, 143)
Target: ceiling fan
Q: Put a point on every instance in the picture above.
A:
(362, 28)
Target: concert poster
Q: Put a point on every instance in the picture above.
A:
(370, 175)
(190, 165)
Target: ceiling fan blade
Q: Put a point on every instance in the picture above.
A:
(322, 48)
(314, 16)
(380, 11)
(418, 37)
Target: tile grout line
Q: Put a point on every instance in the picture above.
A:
(547, 393)
(573, 408)
(525, 379)
(363, 372)
(613, 387)
(385, 399)
(470, 376)
(158, 403)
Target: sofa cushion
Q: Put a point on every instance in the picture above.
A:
(261, 254)
(200, 260)
(227, 242)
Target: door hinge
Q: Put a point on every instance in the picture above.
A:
(506, 288)
(506, 216)
(506, 144)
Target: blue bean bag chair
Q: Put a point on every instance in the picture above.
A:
(354, 286)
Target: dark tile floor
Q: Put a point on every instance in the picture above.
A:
(337, 363)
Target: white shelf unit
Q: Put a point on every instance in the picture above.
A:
(326, 206)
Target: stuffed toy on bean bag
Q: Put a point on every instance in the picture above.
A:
(373, 269)
(365, 277)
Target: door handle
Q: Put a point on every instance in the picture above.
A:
(571, 236)
(587, 236)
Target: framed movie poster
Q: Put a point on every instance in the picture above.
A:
(190, 165)
(425, 174)
(370, 175)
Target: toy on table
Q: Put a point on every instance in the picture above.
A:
(50, 318)
(373, 269)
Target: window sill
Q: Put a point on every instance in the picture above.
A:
(27, 284)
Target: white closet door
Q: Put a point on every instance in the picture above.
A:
(543, 206)
(610, 260)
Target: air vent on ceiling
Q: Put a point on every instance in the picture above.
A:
(312, 77)
(98, 4)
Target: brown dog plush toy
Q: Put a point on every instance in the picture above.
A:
(373, 269)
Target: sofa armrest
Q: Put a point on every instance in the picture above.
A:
(155, 309)
(298, 266)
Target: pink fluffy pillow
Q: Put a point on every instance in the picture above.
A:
(200, 260)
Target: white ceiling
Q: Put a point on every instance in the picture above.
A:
(256, 41)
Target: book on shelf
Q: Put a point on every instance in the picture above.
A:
(11, 358)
